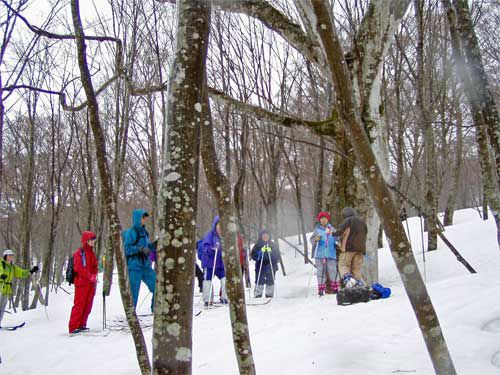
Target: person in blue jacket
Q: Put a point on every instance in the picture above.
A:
(326, 253)
(211, 261)
(138, 248)
(265, 254)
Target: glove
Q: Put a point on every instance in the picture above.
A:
(34, 270)
(93, 279)
(3, 277)
(144, 251)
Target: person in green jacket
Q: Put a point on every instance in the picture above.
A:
(8, 270)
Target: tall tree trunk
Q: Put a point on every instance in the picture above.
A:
(172, 332)
(107, 191)
(457, 170)
(27, 207)
(239, 186)
(484, 94)
(378, 189)
(300, 212)
(318, 191)
(220, 186)
(153, 162)
(490, 186)
(423, 105)
(484, 201)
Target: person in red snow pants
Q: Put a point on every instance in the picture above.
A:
(85, 268)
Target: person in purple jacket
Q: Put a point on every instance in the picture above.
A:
(212, 263)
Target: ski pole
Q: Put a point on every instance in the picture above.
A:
(258, 274)
(323, 268)
(272, 273)
(211, 296)
(423, 248)
(144, 300)
(312, 270)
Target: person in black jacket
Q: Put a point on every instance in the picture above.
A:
(353, 232)
(265, 254)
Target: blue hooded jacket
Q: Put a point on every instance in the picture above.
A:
(326, 245)
(211, 242)
(136, 233)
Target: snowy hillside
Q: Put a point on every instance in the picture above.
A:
(299, 333)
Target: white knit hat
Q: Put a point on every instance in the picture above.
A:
(8, 252)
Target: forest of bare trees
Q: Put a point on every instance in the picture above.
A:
(263, 112)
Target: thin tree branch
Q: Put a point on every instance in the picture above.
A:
(325, 127)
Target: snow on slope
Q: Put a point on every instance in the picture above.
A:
(299, 333)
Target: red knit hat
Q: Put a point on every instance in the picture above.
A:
(323, 214)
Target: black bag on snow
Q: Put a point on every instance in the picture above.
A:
(356, 294)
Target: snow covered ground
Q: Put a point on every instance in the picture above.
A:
(299, 333)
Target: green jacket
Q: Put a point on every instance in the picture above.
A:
(11, 270)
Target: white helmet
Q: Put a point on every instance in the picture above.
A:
(8, 252)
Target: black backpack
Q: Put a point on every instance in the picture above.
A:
(356, 294)
(70, 273)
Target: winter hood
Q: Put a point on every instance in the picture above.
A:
(214, 224)
(348, 212)
(87, 235)
(137, 216)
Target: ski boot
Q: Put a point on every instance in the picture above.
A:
(321, 289)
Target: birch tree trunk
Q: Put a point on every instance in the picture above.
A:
(457, 170)
(172, 332)
(490, 185)
(378, 189)
(27, 206)
(107, 191)
(479, 79)
(221, 189)
(425, 119)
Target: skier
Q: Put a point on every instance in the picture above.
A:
(85, 268)
(211, 261)
(138, 249)
(265, 255)
(8, 270)
(353, 232)
(326, 254)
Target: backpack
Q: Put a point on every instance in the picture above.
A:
(356, 294)
(199, 249)
(70, 273)
(137, 235)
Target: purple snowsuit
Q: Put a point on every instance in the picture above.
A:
(212, 241)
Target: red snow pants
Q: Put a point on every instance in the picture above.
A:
(84, 298)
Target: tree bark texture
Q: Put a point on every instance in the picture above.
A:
(220, 187)
(424, 117)
(107, 191)
(386, 208)
(490, 184)
(479, 79)
(172, 332)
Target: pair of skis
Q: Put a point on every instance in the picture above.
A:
(92, 333)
